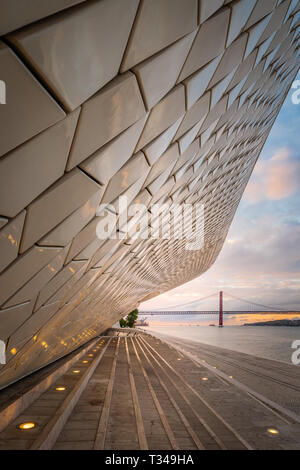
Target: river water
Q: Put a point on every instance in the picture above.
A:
(272, 342)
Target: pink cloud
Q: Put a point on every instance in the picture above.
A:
(274, 179)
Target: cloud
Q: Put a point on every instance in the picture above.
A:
(275, 178)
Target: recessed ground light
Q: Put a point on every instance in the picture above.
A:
(26, 426)
(273, 431)
(60, 389)
(76, 371)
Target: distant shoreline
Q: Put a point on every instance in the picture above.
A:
(275, 323)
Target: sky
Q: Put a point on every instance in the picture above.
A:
(260, 259)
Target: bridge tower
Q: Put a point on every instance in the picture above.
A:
(221, 310)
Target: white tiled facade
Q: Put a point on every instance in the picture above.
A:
(164, 101)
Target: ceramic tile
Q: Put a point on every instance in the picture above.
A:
(57, 203)
(29, 109)
(134, 169)
(12, 318)
(75, 66)
(197, 83)
(111, 157)
(16, 14)
(172, 19)
(31, 168)
(33, 324)
(214, 43)
(22, 269)
(109, 112)
(208, 8)
(196, 113)
(158, 146)
(30, 290)
(10, 237)
(154, 84)
(163, 115)
(59, 280)
(72, 225)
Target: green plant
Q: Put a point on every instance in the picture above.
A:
(123, 323)
(130, 320)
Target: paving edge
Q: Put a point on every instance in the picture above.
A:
(266, 401)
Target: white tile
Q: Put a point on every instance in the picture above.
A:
(55, 204)
(134, 169)
(197, 83)
(231, 59)
(219, 90)
(86, 236)
(112, 156)
(109, 112)
(158, 146)
(240, 13)
(58, 281)
(24, 268)
(69, 227)
(262, 9)
(255, 34)
(31, 168)
(33, 324)
(168, 158)
(3, 221)
(201, 55)
(153, 82)
(10, 237)
(208, 8)
(196, 113)
(12, 318)
(75, 66)
(16, 14)
(30, 290)
(171, 20)
(188, 155)
(186, 140)
(163, 115)
(29, 109)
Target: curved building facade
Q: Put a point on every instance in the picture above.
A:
(163, 102)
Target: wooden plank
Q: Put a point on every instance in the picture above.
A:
(162, 416)
(103, 422)
(184, 397)
(13, 410)
(223, 421)
(185, 422)
(138, 415)
(51, 431)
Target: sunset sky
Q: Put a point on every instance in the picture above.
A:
(260, 260)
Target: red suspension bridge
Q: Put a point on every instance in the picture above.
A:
(253, 308)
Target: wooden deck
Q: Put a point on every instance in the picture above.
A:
(138, 392)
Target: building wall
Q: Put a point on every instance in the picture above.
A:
(161, 101)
